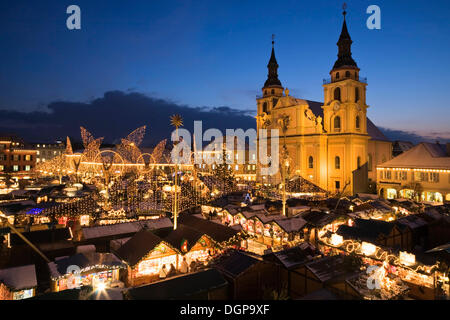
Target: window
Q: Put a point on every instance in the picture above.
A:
(347, 74)
(387, 175)
(2, 167)
(420, 176)
(337, 94)
(310, 162)
(337, 163)
(369, 156)
(273, 91)
(254, 156)
(434, 177)
(338, 184)
(403, 175)
(337, 124)
(357, 122)
(16, 168)
(236, 167)
(337, 75)
(27, 157)
(274, 102)
(27, 168)
(356, 94)
(358, 162)
(265, 107)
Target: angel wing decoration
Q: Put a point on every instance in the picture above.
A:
(86, 136)
(158, 151)
(137, 136)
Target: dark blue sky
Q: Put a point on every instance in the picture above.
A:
(214, 53)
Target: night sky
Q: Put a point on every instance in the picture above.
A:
(171, 55)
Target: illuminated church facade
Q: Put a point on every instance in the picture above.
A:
(332, 143)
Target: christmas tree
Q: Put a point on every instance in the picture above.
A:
(223, 173)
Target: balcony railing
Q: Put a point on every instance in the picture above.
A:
(360, 79)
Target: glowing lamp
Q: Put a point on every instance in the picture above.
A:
(407, 259)
(84, 220)
(336, 240)
(368, 249)
(100, 286)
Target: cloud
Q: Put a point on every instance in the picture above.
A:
(415, 137)
(115, 115)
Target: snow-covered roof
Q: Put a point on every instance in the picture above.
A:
(124, 228)
(293, 224)
(424, 156)
(19, 278)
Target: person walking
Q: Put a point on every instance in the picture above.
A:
(184, 268)
(163, 272)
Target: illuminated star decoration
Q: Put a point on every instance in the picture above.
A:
(176, 121)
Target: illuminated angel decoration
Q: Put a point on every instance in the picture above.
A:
(158, 151)
(91, 145)
(129, 147)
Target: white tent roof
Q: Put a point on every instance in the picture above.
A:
(19, 278)
(424, 156)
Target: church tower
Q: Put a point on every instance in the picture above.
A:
(345, 120)
(272, 89)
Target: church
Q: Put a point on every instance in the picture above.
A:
(331, 143)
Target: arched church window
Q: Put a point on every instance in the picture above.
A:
(357, 124)
(310, 162)
(273, 91)
(337, 94)
(265, 107)
(337, 124)
(337, 163)
(358, 162)
(347, 74)
(274, 102)
(356, 94)
(337, 75)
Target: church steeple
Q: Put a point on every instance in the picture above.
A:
(344, 44)
(272, 86)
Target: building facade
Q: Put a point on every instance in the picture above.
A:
(332, 143)
(48, 151)
(421, 173)
(240, 157)
(15, 156)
